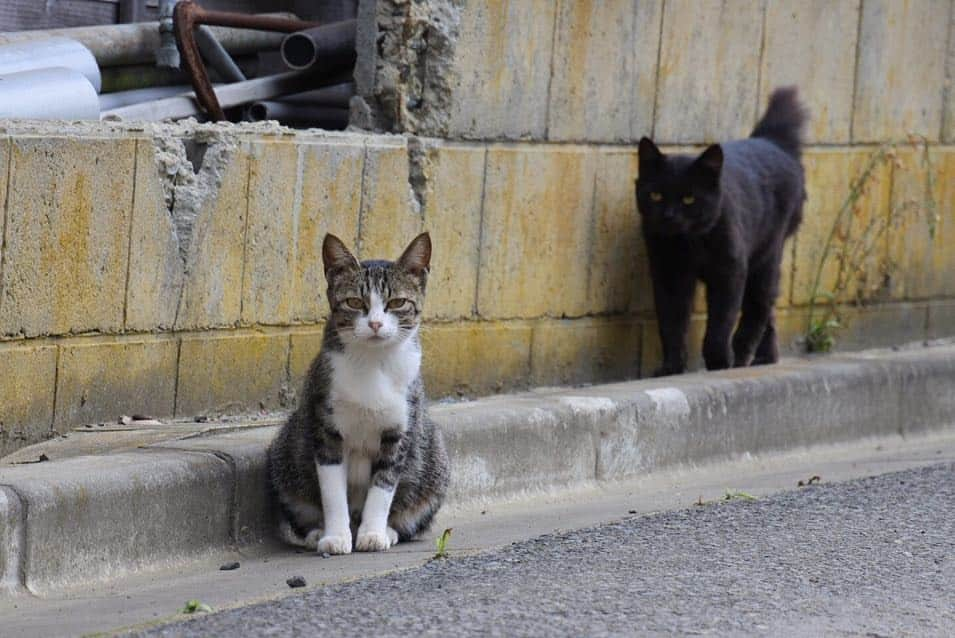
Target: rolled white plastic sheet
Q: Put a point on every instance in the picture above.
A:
(48, 94)
(47, 53)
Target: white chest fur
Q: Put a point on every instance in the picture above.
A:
(368, 396)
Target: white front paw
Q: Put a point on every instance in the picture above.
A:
(335, 544)
(372, 541)
(392, 536)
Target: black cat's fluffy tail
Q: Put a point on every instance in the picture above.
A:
(783, 121)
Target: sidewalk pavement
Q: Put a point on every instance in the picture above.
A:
(155, 497)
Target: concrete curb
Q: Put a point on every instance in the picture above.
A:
(63, 523)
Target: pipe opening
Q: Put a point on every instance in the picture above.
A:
(258, 112)
(299, 51)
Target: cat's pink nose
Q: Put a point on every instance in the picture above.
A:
(375, 326)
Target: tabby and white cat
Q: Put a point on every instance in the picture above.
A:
(360, 454)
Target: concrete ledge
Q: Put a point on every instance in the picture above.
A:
(66, 522)
(97, 517)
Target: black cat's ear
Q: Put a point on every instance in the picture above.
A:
(417, 256)
(650, 156)
(335, 255)
(710, 162)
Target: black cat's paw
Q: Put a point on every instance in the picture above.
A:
(717, 359)
(667, 370)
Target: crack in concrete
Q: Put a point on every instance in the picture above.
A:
(190, 172)
(419, 170)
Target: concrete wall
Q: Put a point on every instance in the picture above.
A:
(683, 71)
(175, 270)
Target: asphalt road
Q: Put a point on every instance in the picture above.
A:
(872, 557)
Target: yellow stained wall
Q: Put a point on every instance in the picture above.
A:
(539, 271)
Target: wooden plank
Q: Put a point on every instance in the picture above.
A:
(22, 15)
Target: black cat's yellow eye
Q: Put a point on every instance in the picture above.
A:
(656, 197)
(355, 303)
(689, 199)
(396, 304)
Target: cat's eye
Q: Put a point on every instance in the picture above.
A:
(355, 303)
(656, 197)
(689, 199)
(397, 304)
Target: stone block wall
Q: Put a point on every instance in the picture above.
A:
(682, 71)
(175, 270)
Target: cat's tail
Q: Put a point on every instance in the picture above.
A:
(783, 121)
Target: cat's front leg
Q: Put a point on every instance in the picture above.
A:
(333, 485)
(374, 535)
(674, 284)
(724, 297)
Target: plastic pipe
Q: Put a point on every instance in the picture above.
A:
(120, 44)
(229, 95)
(327, 117)
(109, 101)
(339, 95)
(327, 46)
(216, 55)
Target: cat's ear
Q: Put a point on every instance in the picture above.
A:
(417, 256)
(335, 254)
(710, 163)
(650, 156)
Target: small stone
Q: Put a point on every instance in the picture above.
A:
(295, 581)
(228, 567)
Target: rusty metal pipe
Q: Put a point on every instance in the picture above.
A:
(328, 45)
(188, 15)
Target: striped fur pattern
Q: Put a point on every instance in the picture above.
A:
(362, 425)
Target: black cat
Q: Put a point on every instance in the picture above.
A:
(723, 217)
